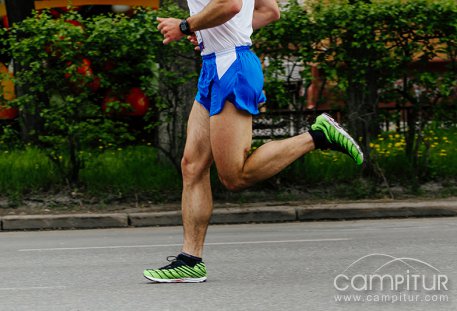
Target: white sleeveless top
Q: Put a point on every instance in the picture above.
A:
(235, 32)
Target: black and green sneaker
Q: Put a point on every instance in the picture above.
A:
(337, 138)
(177, 272)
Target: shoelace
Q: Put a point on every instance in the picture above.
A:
(173, 262)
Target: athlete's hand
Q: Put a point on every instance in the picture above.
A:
(193, 39)
(169, 27)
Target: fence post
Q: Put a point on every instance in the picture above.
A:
(17, 10)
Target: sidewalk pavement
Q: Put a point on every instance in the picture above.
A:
(170, 215)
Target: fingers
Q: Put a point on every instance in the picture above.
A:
(161, 25)
(193, 39)
(169, 28)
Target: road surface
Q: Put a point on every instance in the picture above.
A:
(289, 266)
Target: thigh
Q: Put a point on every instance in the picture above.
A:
(231, 137)
(198, 146)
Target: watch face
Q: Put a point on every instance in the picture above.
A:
(184, 27)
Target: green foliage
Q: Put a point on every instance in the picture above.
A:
(285, 42)
(361, 47)
(364, 47)
(66, 70)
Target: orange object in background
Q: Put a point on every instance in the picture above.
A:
(7, 92)
(5, 22)
(46, 4)
(85, 70)
(138, 101)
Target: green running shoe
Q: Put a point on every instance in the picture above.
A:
(177, 272)
(338, 138)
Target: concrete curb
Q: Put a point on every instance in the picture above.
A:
(236, 215)
(78, 221)
(376, 210)
(249, 215)
(155, 219)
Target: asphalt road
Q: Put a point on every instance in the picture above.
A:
(289, 266)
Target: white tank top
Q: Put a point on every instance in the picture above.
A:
(235, 32)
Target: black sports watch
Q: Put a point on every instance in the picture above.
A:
(184, 27)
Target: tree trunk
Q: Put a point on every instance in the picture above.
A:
(363, 111)
(363, 117)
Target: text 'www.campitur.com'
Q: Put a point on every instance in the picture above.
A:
(393, 298)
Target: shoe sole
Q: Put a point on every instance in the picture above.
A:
(184, 280)
(342, 131)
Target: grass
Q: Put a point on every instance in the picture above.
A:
(26, 170)
(322, 167)
(444, 153)
(131, 170)
(128, 172)
(138, 171)
(437, 156)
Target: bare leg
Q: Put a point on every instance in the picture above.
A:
(231, 137)
(230, 133)
(197, 205)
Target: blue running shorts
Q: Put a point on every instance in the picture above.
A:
(234, 75)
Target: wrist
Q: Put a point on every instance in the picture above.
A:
(185, 27)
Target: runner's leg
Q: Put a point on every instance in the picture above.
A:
(197, 204)
(231, 137)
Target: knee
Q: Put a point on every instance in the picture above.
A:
(194, 169)
(233, 183)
